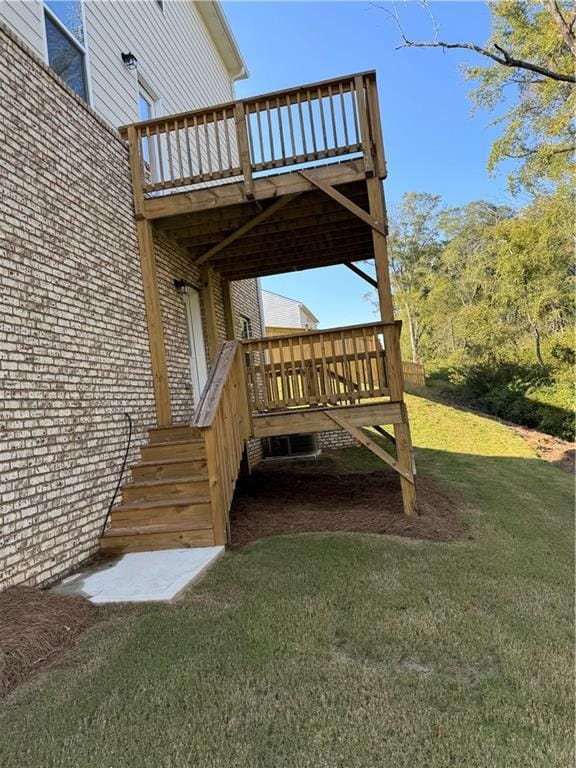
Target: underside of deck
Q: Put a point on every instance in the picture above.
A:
(289, 224)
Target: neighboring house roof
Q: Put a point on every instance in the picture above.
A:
(282, 312)
(217, 24)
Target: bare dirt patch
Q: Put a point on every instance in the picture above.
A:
(558, 452)
(306, 498)
(36, 627)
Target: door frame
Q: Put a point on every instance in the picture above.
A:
(196, 344)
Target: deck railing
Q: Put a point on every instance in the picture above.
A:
(307, 124)
(223, 417)
(339, 366)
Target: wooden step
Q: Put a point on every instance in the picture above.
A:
(168, 469)
(150, 490)
(183, 511)
(176, 432)
(152, 537)
(175, 449)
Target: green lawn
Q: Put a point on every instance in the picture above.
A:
(344, 650)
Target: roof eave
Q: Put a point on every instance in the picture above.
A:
(220, 31)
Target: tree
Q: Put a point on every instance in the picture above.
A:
(532, 51)
(414, 248)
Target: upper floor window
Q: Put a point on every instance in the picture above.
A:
(64, 23)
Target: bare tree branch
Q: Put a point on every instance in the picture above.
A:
(566, 29)
(505, 59)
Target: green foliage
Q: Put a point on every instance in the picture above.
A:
(537, 122)
(490, 294)
(520, 393)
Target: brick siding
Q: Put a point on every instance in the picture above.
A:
(73, 339)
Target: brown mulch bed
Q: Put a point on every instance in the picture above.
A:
(36, 627)
(307, 498)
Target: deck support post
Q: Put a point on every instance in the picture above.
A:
(154, 322)
(209, 303)
(392, 346)
(229, 316)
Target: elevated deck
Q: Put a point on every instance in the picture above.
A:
(285, 181)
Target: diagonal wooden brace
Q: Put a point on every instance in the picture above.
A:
(379, 226)
(241, 231)
(371, 445)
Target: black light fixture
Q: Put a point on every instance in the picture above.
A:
(182, 286)
(130, 60)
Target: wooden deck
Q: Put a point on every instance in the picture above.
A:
(285, 181)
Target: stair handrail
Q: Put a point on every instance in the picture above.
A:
(223, 417)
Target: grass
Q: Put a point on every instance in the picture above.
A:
(344, 650)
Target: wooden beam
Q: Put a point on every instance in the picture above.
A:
(154, 322)
(373, 221)
(372, 446)
(362, 274)
(266, 213)
(384, 433)
(264, 187)
(391, 344)
(209, 304)
(229, 314)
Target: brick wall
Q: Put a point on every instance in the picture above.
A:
(73, 339)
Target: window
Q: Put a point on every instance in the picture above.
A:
(64, 24)
(146, 111)
(245, 327)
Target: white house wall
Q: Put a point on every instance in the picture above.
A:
(178, 61)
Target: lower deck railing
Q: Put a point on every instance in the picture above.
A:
(338, 366)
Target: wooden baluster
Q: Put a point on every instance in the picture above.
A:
(358, 375)
(153, 166)
(291, 126)
(380, 362)
(302, 127)
(280, 128)
(179, 152)
(169, 151)
(198, 147)
(227, 138)
(207, 139)
(354, 96)
(284, 396)
(216, 123)
(368, 359)
(322, 120)
(312, 128)
(260, 135)
(160, 158)
(344, 118)
(263, 373)
(333, 116)
(270, 134)
(325, 371)
(188, 149)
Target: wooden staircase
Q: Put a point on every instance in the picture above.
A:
(182, 488)
(167, 504)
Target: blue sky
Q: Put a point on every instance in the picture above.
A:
(433, 143)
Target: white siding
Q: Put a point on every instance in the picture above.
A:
(25, 18)
(282, 312)
(177, 58)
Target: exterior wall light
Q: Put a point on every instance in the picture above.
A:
(182, 287)
(130, 60)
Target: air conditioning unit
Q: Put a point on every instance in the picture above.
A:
(288, 446)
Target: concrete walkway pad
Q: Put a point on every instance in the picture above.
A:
(141, 576)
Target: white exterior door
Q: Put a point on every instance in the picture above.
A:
(196, 348)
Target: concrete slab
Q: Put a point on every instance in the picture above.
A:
(141, 576)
